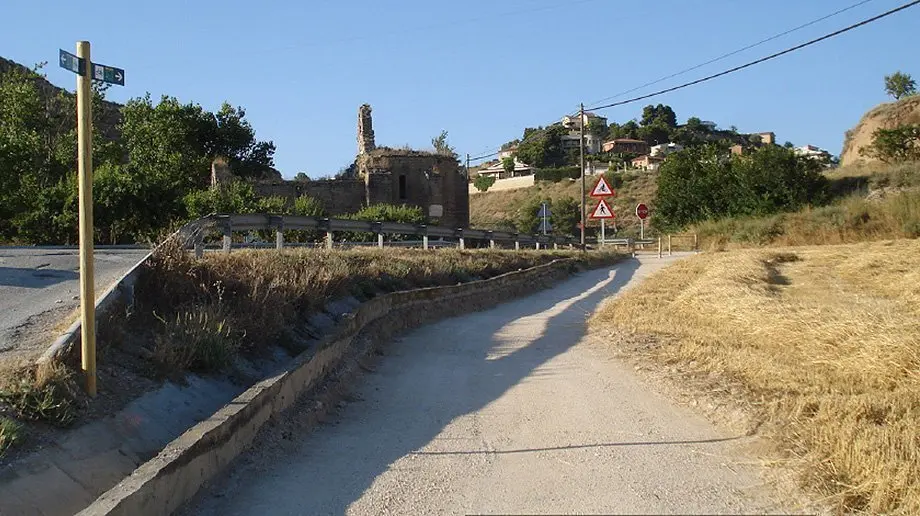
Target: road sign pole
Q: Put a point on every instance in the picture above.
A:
(603, 233)
(641, 229)
(85, 184)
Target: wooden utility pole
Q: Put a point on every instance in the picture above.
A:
(85, 184)
(581, 148)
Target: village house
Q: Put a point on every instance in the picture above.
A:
(497, 170)
(665, 148)
(572, 121)
(647, 162)
(626, 146)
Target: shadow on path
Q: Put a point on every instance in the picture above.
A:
(34, 278)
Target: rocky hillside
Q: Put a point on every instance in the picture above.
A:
(885, 116)
(111, 115)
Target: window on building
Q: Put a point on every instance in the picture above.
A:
(402, 187)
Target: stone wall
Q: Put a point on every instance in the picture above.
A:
(339, 196)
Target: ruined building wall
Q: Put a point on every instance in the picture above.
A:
(339, 196)
(365, 130)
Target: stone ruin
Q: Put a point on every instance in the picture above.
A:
(434, 182)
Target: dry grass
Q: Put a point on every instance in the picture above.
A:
(499, 209)
(48, 393)
(825, 344)
(206, 311)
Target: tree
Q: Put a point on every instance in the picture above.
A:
(755, 139)
(508, 165)
(528, 219)
(900, 85)
(705, 183)
(596, 127)
(483, 183)
(695, 124)
(661, 114)
(441, 146)
(543, 148)
(565, 216)
(895, 145)
(302, 177)
(789, 145)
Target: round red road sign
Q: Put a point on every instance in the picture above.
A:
(642, 211)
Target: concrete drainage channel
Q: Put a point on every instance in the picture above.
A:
(173, 476)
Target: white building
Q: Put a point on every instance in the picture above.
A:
(506, 153)
(593, 143)
(665, 148)
(811, 151)
(498, 170)
(571, 121)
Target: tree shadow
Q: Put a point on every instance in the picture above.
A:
(34, 278)
(407, 403)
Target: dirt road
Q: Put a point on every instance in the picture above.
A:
(509, 410)
(39, 289)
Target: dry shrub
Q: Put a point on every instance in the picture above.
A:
(825, 342)
(47, 394)
(250, 300)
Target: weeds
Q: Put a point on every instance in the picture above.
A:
(202, 342)
(10, 434)
(48, 394)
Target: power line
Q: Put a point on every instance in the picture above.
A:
(761, 60)
(735, 52)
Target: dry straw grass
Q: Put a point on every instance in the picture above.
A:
(253, 300)
(825, 343)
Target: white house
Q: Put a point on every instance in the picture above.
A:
(506, 153)
(811, 151)
(498, 170)
(665, 148)
(571, 121)
(593, 143)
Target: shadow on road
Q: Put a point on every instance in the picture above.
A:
(34, 278)
(434, 376)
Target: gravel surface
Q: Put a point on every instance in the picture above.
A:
(508, 411)
(39, 292)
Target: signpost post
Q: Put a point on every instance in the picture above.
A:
(544, 213)
(642, 213)
(600, 191)
(86, 71)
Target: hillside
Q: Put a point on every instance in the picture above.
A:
(886, 116)
(500, 209)
(107, 123)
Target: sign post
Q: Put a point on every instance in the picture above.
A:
(600, 191)
(544, 213)
(642, 213)
(82, 65)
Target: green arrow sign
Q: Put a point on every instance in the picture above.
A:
(108, 74)
(71, 62)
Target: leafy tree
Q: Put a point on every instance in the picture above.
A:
(483, 183)
(565, 216)
(302, 177)
(596, 127)
(755, 139)
(895, 145)
(696, 125)
(705, 183)
(659, 114)
(508, 165)
(233, 197)
(789, 145)
(900, 85)
(441, 145)
(628, 130)
(527, 218)
(655, 134)
(543, 148)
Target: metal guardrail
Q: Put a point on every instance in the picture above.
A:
(195, 232)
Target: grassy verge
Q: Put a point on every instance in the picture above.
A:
(878, 202)
(209, 311)
(823, 345)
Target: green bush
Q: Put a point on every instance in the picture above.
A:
(234, 197)
(557, 174)
(895, 145)
(385, 213)
(483, 183)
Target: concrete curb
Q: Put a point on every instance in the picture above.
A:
(164, 483)
(121, 290)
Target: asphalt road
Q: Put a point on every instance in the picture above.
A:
(507, 411)
(39, 293)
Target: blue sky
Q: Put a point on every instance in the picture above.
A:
(481, 70)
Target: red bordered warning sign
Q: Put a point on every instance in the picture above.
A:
(602, 189)
(602, 211)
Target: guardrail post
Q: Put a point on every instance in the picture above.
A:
(556, 246)
(517, 245)
(199, 249)
(425, 241)
(659, 246)
(380, 240)
(228, 233)
(538, 245)
(462, 243)
(669, 245)
(696, 246)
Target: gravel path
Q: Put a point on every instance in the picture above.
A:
(508, 411)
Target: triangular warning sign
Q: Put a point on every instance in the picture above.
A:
(602, 211)
(602, 188)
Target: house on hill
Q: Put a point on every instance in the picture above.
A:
(498, 170)
(572, 121)
(626, 146)
(647, 162)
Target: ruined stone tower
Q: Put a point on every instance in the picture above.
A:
(365, 130)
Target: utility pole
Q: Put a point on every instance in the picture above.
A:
(85, 183)
(467, 166)
(581, 148)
